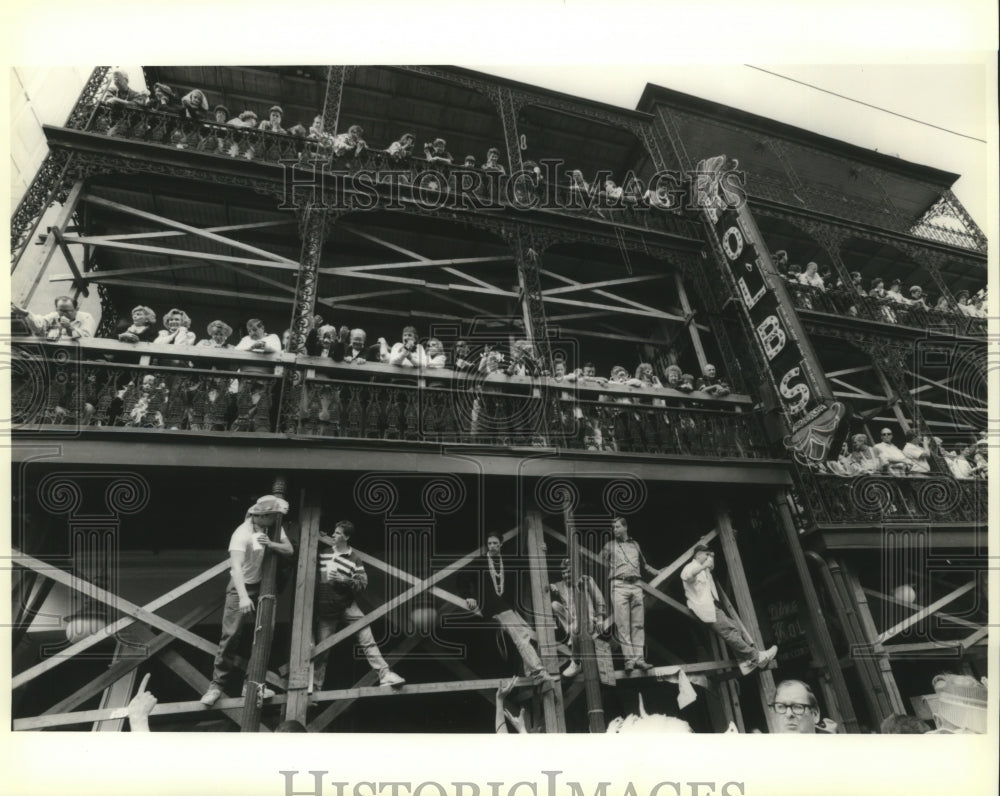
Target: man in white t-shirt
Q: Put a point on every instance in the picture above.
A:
(247, 548)
(703, 600)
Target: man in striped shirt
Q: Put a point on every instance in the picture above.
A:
(340, 576)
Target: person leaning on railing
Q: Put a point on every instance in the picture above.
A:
(247, 120)
(273, 123)
(350, 143)
(917, 450)
(67, 322)
(710, 383)
(437, 152)
(891, 459)
(212, 404)
(406, 354)
(403, 148)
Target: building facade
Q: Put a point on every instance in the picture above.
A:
(608, 322)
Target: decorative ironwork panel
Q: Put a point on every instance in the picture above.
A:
(881, 500)
(46, 186)
(90, 96)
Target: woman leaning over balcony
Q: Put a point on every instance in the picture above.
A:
(179, 387)
(211, 402)
(143, 329)
(253, 398)
(193, 108)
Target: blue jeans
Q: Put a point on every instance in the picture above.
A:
(329, 618)
(233, 623)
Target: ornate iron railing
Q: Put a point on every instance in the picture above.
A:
(849, 303)
(150, 387)
(383, 402)
(952, 237)
(110, 384)
(434, 184)
(879, 499)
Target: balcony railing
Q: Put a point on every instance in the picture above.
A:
(433, 184)
(157, 388)
(878, 499)
(146, 386)
(383, 402)
(842, 303)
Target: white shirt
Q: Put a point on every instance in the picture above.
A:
(699, 588)
(889, 454)
(813, 281)
(180, 336)
(81, 326)
(397, 356)
(242, 539)
(918, 458)
(272, 343)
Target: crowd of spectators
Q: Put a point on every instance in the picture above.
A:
(894, 304)
(195, 107)
(193, 122)
(212, 403)
(915, 458)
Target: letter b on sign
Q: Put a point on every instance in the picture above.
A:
(772, 336)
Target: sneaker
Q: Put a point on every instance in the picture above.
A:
(572, 670)
(643, 665)
(746, 667)
(211, 696)
(266, 693)
(629, 666)
(768, 655)
(390, 678)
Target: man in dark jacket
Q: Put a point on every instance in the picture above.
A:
(498, 599)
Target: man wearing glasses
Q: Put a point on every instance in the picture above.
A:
(891, 458)
(703, 600)
(796, 706)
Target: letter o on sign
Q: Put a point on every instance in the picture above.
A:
(732, 243)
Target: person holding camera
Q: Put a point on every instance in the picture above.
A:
(406, 354)
(68, 322)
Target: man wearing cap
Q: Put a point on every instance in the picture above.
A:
(341, 576)
(703, 600)
(966, 308)
(273, 123)
(624, 562)
(247, 547)
(564, 607)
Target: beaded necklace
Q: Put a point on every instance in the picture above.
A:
(497, 578)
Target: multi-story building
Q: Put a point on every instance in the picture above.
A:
(133, 463)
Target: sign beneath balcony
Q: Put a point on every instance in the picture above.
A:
(812, 414)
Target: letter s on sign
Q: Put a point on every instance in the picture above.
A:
(797, 395)
(772, 336)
